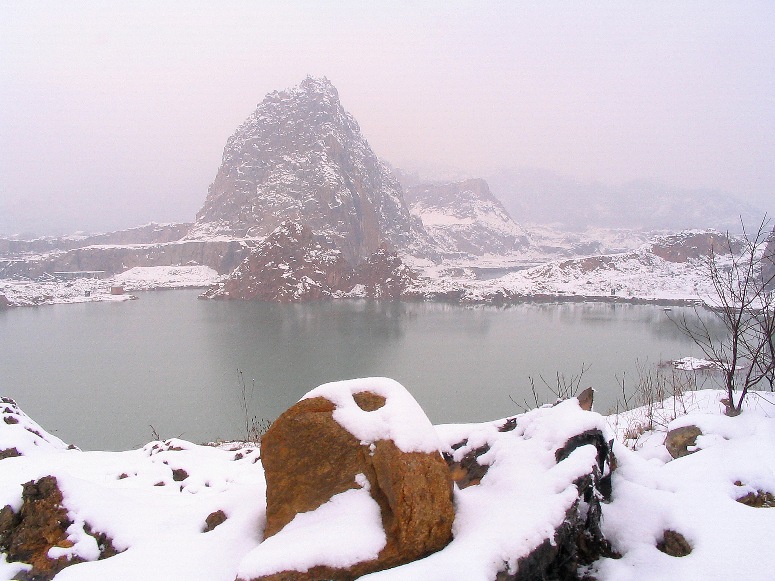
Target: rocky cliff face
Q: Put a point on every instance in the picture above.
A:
(465, 218)
(300, 156)
(149, 234)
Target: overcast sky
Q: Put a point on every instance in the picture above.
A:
(116, 114)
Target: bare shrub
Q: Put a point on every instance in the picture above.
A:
(255, 427)
(658, 396)
(563, 387)
(744, 302)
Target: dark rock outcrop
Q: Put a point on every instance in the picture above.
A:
(294, 265)
(300, 156)
(578, 540)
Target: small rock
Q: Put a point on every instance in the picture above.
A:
(468, 472)
(586, 399)
(213, 520)
(758, 499)
(674, 544)
(178, 474)
(9, 453)
(678, 440)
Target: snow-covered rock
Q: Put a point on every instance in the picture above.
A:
(465, 218)
(293, 264)
(356, 459)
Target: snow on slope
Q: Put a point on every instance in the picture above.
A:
(160, 528)
(465, 218)
(632, 275)
(695, 495)
(22, 293)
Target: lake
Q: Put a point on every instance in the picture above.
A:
(104, 375)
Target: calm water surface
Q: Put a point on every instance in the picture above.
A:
(100, 375)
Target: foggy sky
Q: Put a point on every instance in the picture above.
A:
(116, 114)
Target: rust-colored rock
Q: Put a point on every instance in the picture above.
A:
(586, 399)
(40, 525)
(679, 440)
(214, 519)
(309, 457)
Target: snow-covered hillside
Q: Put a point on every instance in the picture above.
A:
(465, 218)
(173, 510)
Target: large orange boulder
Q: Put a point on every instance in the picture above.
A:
(354, 464)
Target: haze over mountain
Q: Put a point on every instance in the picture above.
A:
(464, 217)
(113, 115)
(543, 197)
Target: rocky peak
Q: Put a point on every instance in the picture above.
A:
(465, 217)
(300, 156)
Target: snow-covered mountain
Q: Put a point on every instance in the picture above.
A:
(300, 156)
(465, 218)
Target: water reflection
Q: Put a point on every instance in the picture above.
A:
(101, 374)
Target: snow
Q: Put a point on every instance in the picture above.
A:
(83, 290)
(520, 501)
(696, 496)
(401, 419)
(156, 277)
(636, 275)
(693, 364)
(342, 532)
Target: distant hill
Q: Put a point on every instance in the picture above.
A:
(464, 217)
(543, 197)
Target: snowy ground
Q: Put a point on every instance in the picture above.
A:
(594, 265)
(636, 275)
(84, 290)
(156, 514)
